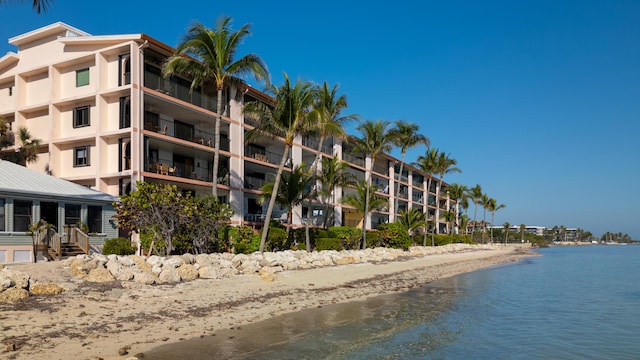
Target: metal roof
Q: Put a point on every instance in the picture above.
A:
(20, 180)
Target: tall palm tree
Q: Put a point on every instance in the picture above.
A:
(328, 121)
(484, 202)
(294, 187)
(493, 206)
(458, 193)
(405, 135)
(375, 140)
(427, 164)
(334, 174)
(206, 55)
(444, 165)
(475, 194)
(506, 226)
(286, 118)
(523, 227)
(364, 201)
(6, 135)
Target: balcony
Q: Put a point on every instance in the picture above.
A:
(184, 170)
(177, 88)
(327, 146)
(263, 155)
(356, 160)
(197, 136)
(381, 169)
(418, 183)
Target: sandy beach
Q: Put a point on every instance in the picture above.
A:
(119, 320)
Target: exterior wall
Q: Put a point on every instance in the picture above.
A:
(44, 96)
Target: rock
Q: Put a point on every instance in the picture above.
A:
(345, 260)
(155, 260)
(141, 263)
(13, 294)
(99, 275)
(209, 272)
(126, 261)
(20, 280)
(46, 289)
(169, 275)
(228, 272)
(271, 269)
(1, 266)
(268, 277)
(123, 351)
(80, 267)
(188, 258)
(174, 261)
(5, 282)
(11, 347)
(156, 269)
(119, 271)
(144, 278)
(188, 272)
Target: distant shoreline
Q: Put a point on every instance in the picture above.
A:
(97, 321)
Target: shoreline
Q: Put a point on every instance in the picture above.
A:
(108, 321)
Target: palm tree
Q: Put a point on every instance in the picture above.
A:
(294, 187)
(364, 201)
(334, 174)
(375, 140)
(484, 202)
(475, 193)
(207, 55)
(449, 218)
(6, 135)
(412, 219)
(444, 165)
(427, 164)
(493, 207)
(328, 121)
(458, 193)
(506, 227)
(27, 151)
(405, 135)
(523, 227)
(287, 118)
(40, 6)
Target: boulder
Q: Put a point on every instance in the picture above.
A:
(169, 275)
(46, 289)
(155, 260)
(99, 275)
(119, 271)
(141, 263)
(5, 282)
(209, 272)
(144, 278)
(126, 261)
(13, 294)
(20, 280)
(173, 262)
(188, 272)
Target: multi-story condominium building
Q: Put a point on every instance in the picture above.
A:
(108, 118)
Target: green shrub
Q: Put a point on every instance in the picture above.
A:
(328, 244)
(241, 238)
(118, 246)
(373, 239)
(277, 239)
(350, 237)
(394, 235)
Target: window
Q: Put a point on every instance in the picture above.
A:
(71, 214)
(2, 228)
(82, 77)
(81, 116)
(21, 215)
(125, 112)
(95, 219)
(81, 156)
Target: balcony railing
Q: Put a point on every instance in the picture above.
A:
(381, 169)
(264, 156)
(198, 136)
(255, 183)
(179, 91)
(353, 159)
(417, 183)
(185, 171)
(327, 146)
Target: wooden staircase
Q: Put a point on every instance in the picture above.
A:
(52, 246)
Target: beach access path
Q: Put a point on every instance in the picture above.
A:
(120, 320)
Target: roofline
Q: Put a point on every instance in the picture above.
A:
(46, 30)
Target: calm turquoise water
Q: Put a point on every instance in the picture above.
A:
(569, 303)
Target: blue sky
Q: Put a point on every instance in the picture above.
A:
(539, 101)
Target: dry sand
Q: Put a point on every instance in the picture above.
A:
(101, 320)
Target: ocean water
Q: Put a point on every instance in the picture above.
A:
(568, 303)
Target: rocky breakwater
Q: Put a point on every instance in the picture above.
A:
(16, 285)
(154, 270)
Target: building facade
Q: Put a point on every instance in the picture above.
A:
(108, 118)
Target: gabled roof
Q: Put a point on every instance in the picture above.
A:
(20, 180)
(49, 30)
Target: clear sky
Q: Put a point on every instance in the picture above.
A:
(538, 100)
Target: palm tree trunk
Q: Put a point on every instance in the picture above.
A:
(366, 206)
(398, 184)
(492, 214)
(216, 142)
(433, 240)
(272, 201)
(314, 186)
